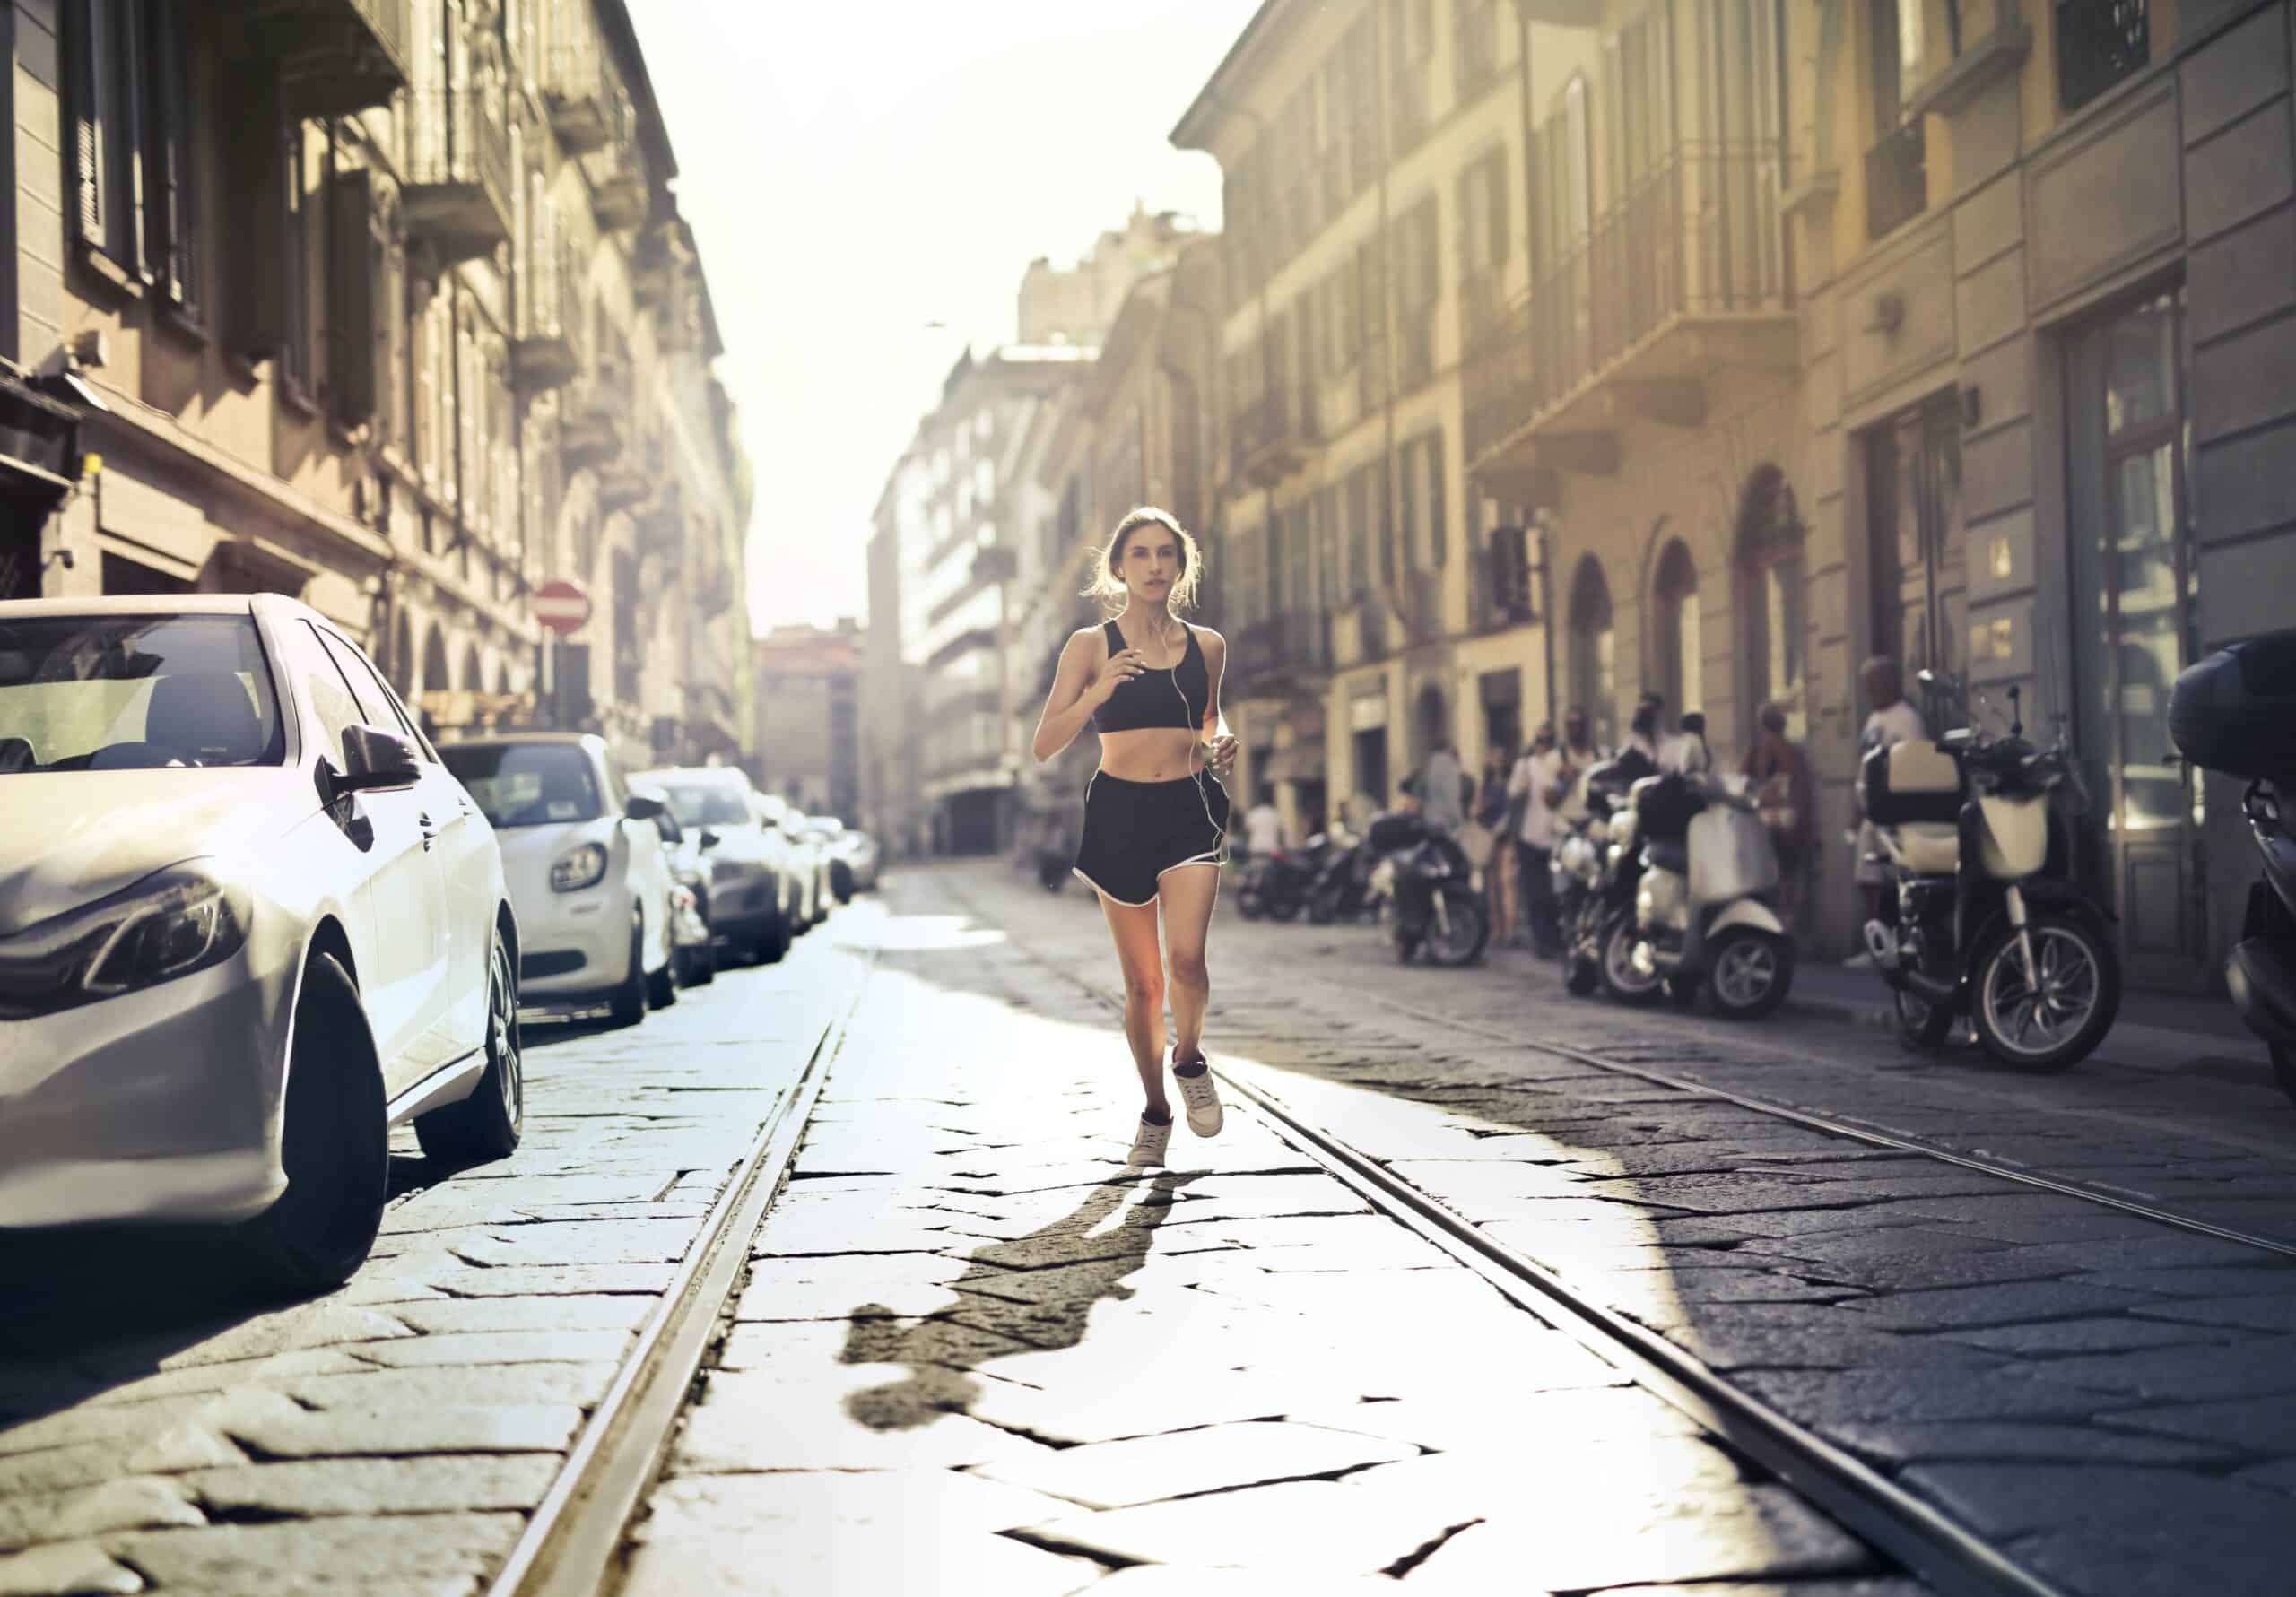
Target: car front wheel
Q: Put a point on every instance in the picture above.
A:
(628, 1001)
(333, 1144)
(487, 1125)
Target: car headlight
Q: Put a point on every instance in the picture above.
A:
(171, 923)
(585, 867)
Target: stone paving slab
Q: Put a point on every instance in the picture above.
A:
(1931, 1318)
(390, 1439)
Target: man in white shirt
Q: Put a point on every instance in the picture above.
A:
(1536, 786)
(1891, 722)
(1440, 799)
(1263, 827)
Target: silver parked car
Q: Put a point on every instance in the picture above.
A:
(248, 923)
(753, 891)
(587, 870)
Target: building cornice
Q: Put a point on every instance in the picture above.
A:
(1205, 114)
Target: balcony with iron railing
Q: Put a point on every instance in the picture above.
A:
(587, 102)
(456, 200)
(1685, 277)
(1270, 436)
(550, 349)
(594, 430)
(333, 57)
(1280, 655)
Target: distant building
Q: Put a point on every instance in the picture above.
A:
(808, 718)
(1079, 305)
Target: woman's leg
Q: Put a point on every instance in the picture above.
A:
(1188, 894)
(1133, 927)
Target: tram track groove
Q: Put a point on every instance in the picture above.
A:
(572, 1542)
(1857, 1131)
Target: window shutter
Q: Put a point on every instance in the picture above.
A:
(1429, 253)
(131, 185)
(257, 207)
(176, 247)
(1494, 175)
(354, 321)
(91, 47)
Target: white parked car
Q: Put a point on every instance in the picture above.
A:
(751, 899)
(247, 922)
(589, 873)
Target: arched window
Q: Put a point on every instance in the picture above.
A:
(472, 681)
(1673, 625)
(1592, 671)
(435, 669)
(1772, 596)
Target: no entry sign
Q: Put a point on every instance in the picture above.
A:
(561, 606)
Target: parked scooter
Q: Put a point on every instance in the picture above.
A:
(2235, 712)
(1706, 909)
(1437, 905)
(1977, 922)
(1598, 931)
(1343, 889)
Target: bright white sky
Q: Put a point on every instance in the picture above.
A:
(854, 172)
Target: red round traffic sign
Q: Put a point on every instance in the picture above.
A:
(561, 606)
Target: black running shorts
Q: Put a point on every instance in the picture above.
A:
(1135, 831)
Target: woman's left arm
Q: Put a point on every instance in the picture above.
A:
(1222, 743)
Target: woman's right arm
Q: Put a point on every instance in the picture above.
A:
(1077, 691)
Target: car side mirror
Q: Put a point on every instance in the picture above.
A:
(709, 839)
(642, 808)
(377, 758)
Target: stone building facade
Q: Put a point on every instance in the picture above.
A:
(1786, 333)
(808, 718)
(384, 304)
(1374, 224)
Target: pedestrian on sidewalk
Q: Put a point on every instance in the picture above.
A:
(1502, 879)
(1155, 812)
(1541, 781)
(1777, 772)
(1891, 722)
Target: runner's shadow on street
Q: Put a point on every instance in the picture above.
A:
(995, 1304)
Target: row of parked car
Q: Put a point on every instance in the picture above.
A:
(251, 917)
(629, 886)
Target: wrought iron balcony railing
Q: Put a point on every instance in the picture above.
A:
(458, 194)
(334, 58)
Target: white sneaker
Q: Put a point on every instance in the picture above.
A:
(1203, 1101)
(1863, 959)
(1148, 1147)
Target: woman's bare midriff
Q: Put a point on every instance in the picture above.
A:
(1151, 754)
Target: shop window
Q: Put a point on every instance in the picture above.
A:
(2098, 42)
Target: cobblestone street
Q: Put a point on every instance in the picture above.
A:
(971, 1352)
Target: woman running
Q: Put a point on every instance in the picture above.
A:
(1155, 812)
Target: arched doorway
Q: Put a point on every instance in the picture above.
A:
(437, 674)
(473, 669)
(1592, 670)
(1673, 628)
(1771, 596)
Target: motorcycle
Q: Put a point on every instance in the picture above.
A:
(1706, 906)
(1344, 888)
(2235, 712)
(1276, 884)
(1981, 919)
(1437, 905)
(1603, 856)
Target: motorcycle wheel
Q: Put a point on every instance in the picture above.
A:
(1621, 980)
(1460, 941)
(1921, 1026)
(1284, 910)
(1749, 971)
(2059, 1026)
(1248, 905)
(2284, 1068)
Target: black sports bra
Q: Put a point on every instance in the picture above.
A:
(1174, 696)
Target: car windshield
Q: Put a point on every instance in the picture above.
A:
(706, 804)
(134, 692)
(526, 784)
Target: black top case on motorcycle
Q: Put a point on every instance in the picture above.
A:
(2235, 711)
